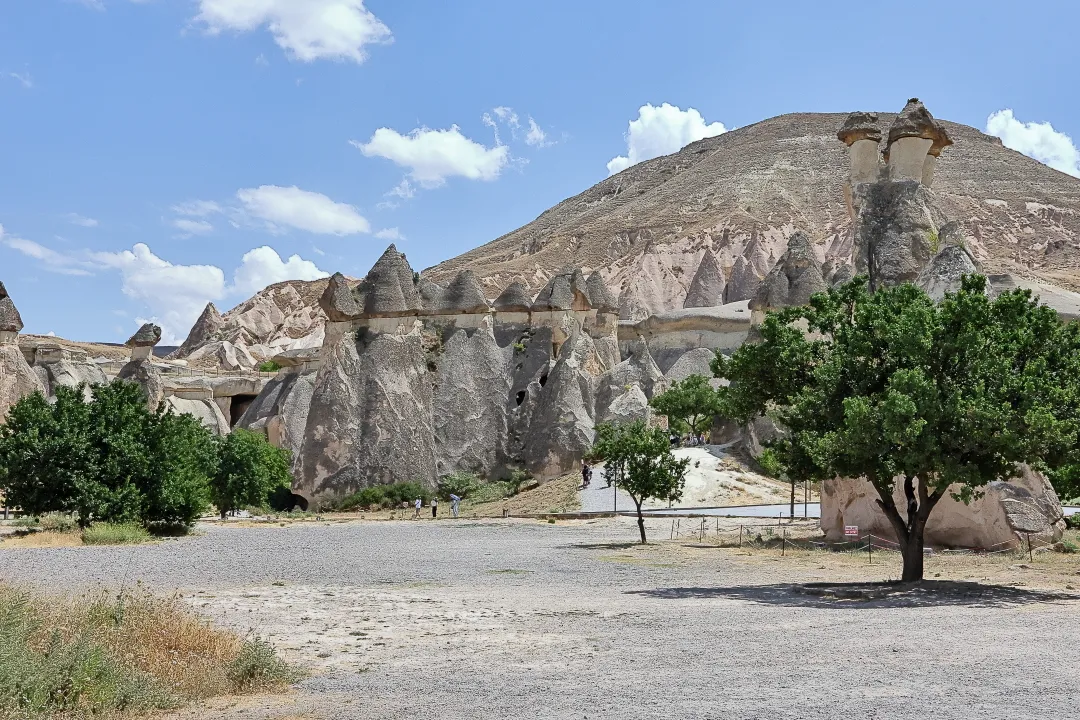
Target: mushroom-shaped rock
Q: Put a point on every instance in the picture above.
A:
(915, 141)
(389, 289)
(338, 301)
(600, 295)
(915, 121)
(707, 287)
(515, 298)
(10, 320)
(860, 126)
(148, 335)
(556, 295)
(464, 296)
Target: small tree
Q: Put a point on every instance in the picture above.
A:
(689, 404)
(185, 458)
(919, 399)
(643, 463)
(249, 470)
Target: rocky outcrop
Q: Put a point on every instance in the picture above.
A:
(514, 299)
(694, 362)
(206, 329)
(945, 271)
(672, 334)
(389, 289)
(281, 409)
(225, 355)
(744, 282)
(794, 278)
(1006, 514)
(10, 319)
(470, 418)
(638, 370)
(16, 378)
(632, 405)
(707, 287)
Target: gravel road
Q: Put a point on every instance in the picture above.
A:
(513, 619)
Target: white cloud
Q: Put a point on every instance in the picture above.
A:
(660, 131)
(1036, 140)
(536, 136)
(23, 79)
(175, 294)
(263, 266)
(192, 227)
(390, 234)
(432, 156)
(197, 208)
(49, 259)
(307, 30)
(92, 4)
(77, 219)
(310, 211)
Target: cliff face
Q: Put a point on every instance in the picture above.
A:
(739, 197)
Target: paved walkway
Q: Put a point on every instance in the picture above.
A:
(597, 498)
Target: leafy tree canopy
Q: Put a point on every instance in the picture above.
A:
(689, 404)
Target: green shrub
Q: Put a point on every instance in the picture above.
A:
(258, 665)
(1072, 521)
(115, 534)
(383, 496)
(249, 471)
(461, 484)
(518, 478)
(57, 522)
(269, 366)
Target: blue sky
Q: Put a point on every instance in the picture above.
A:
(157, 154)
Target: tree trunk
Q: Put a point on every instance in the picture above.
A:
(792, 508)
(912, 552)
(640, 522)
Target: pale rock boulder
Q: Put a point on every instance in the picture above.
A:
(17, 380)
(694, 362)
(638, 370)
(707, 287)
(470, 417)
(71, 373)
(744, 282)
(205, 329)
(205, 411)
(280, 411)
(629, 406)
(1005, 516)
(794, 278)
(227, 355)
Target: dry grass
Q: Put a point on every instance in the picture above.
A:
(559, 495)
(108, 655)
(40, 540)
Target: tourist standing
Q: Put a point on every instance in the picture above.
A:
(586, 474)
(434, 507)
(454, 502)
(417, 504)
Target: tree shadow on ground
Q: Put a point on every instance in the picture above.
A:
(603, 546)
(929, 593)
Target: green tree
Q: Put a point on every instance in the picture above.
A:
(642, 462)
(120, 431)
(249, 470)
(45, 456)
(689, 404)
(923, 400)
(185, 458)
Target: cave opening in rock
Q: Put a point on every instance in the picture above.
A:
(543, 380)
(520, 397)
(238, 404)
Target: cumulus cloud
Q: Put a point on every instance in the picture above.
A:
(189, 227)
(306, 30)
(660, 131)
(1036, 140)
(174, 294)
(432, 156)
(301, 209)
(263, 266)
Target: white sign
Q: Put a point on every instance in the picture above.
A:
(851, 531)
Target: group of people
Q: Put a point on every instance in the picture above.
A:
(586, 475)
(455, 504)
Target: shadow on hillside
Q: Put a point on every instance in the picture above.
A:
(929, 593)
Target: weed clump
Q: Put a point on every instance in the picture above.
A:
(115, 534)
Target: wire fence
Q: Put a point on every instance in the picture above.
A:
(784, 538)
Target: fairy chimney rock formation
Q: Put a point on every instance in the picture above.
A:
(795, 277)
(143, 341)
(515, 299)
(11, 323)
(916, 140)
(205, 330)
(17, 379)
(861, 133)
(707, 287)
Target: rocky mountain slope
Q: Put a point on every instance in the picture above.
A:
(737, 197)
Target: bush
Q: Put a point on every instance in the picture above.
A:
(1072, 521)
(1067, 546)
(461, 484)
(119, 656)
(249, 471)
(383, 496)
(269, 366)
(115, 534)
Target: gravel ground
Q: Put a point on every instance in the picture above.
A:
(528, 620)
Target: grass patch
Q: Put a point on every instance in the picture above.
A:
(509, 571)
(115, 534)
(119, 655)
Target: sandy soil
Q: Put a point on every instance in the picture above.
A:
(715, 479)
(494, 618)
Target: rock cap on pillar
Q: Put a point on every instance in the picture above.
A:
(515, 298)
(600, 295)
(148, 335)
(916, 121)
(860, 126)
(10, 320)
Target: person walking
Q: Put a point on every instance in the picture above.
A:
(455, 501)
(417, 504)
(434, 507)
(586, 474)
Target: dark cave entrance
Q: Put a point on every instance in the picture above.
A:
(238, 404)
